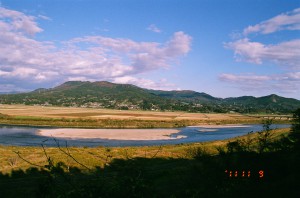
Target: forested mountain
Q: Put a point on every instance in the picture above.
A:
(187, 95)
(125, 96)
(271, 103)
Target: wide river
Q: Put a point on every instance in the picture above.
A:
(35, 136)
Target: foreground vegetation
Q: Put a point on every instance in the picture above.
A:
(191, 170)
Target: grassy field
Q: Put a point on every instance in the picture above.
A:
(89, 113)
(106, 118)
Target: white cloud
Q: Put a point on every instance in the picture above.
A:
(153, 28)
(25, 60)
(142, 56)
(242, 78)
(288, 82)
(145, 83)
(44, 17)
(18, 21)
(285, 53)
(79, 79)
(285, 21)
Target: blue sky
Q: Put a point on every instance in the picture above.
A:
(220, 47)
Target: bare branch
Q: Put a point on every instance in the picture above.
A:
(18, 153)
(159, 149)
(68, 154)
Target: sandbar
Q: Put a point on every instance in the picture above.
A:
(112, 134)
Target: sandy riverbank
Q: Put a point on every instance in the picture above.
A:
(112, 134)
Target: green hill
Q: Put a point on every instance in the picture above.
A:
(89, 94)
(186, 95)
(104, 94)
(271, 103)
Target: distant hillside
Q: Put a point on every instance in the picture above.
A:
(125, 96)
(185, 95)
(271, 103)
(89, 94)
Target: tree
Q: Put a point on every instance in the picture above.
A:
(146, 105)
(264, 136)
(295, 130)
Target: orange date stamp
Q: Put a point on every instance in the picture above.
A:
(244, 173)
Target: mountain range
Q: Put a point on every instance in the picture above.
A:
(104, 94)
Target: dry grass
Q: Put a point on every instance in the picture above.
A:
(91, 157)
(89, 113)
(107, 118)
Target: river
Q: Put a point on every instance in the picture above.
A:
(30, 136)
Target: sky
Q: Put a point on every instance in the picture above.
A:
(225, 48)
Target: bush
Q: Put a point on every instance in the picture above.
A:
(264, 136)
(295, 130)
(197, 153)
